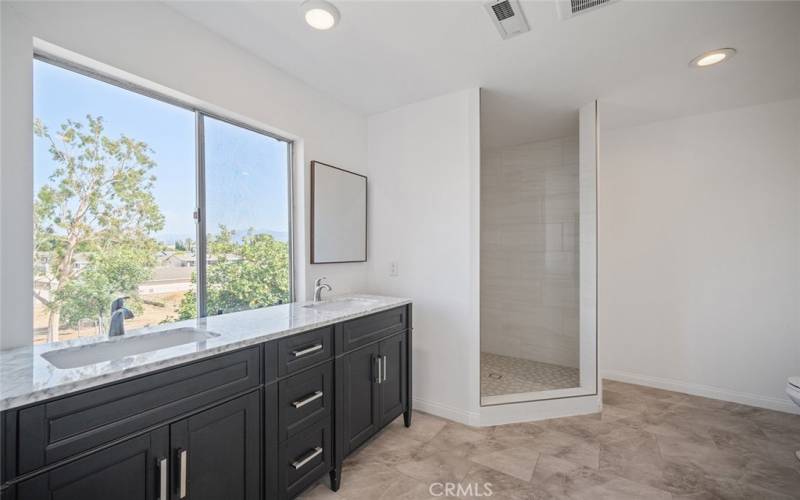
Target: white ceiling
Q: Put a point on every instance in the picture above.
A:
(633, 55)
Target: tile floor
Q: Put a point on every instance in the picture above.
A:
(508, 375)
(647, 444)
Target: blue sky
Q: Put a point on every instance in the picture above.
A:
(246, 172)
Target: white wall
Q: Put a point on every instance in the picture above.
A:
(16, 182)
(529, 251)
(700, 253)
(153, 42)
(422, 161)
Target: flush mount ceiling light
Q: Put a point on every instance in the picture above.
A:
(319, 14)
(712, 57)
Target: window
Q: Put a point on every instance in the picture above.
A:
(127, 204)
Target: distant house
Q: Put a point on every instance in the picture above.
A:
(179, 259)
(43, 260)
(167, 279)
(81, 260)
(186, 259)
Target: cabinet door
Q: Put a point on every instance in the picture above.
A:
(216, 453)
(359, 375)
(393, 378)
(129, 470)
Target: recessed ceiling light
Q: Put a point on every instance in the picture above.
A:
(712, 57)
(320, 14)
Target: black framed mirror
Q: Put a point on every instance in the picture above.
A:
(338, 215)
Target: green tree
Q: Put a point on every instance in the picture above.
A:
(116, 271)
(223, 243)
(250, 274)
(99, 200)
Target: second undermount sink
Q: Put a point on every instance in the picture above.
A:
(335, 305)
(112, 349)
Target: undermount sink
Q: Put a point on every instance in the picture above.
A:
(112, 349)
(336, 305)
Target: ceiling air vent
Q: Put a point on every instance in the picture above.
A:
(507, 17)
(571, 8)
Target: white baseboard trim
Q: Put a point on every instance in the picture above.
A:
(512, 413)
(533, 411)
(445, 411)
(706, 391)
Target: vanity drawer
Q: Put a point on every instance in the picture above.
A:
(304, 398)
(52, 431)
(304, 350)
(305, 458)
(362, 331)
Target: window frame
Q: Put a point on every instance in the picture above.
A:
(200, 113)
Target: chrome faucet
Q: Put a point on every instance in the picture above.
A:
(119, 313)
(318, 287)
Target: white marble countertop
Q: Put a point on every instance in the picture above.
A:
(26, 377)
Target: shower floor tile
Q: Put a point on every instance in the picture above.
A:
(508, 375)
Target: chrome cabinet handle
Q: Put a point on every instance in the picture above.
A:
(301, 403)
(384, 369)
(380, 369)
(307, 350)
(311, 456)
(182, 458)
(163, 466)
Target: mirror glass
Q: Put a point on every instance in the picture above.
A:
(338, 215)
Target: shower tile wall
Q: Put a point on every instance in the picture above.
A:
(529, 251)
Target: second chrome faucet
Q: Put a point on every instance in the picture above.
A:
(318, 287)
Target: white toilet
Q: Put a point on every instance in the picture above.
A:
(793, 391)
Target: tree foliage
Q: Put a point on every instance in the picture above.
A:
(99, 201)
(247, 274)
(115, 272)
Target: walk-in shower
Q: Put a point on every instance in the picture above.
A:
(538, 264)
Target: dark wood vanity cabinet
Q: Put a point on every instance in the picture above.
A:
(373, 379)
(125, 471)
(372, 388)
(210, 455)
(392, 401)
(261, 423)
(357, 389)
(217, 453)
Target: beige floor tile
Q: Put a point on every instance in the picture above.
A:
(480, 477)
(423, 426)
(769, 476)
(621, 489)
(647, 443)
(441, 467)
(516, 462)
(320, 492)
(454, 434)
(567, 447)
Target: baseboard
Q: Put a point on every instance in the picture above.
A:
(533, 411)
(513, 413)
(706, 391)
(445, 411)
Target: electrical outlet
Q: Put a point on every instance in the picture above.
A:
(393, 269)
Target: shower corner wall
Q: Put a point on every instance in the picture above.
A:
(537, 219)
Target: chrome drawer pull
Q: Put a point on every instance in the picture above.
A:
(163, 465)
(311, 456)
(383, 366)
(182, 456)
(303, 402)
(307, 350)
(380, 371)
